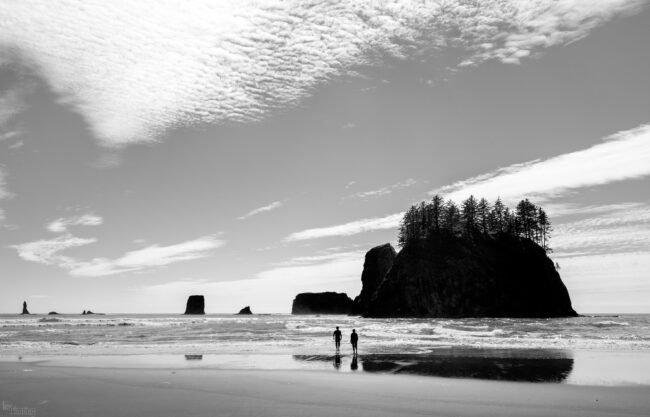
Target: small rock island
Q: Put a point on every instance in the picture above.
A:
(25, 311)
(322, 303)
(195, 305)
(245, 311)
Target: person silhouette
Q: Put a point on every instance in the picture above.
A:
(337, 338)
(354, 338)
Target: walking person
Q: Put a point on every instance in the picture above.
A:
(354, 338)
(337, 336)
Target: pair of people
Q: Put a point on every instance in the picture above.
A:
(337, 336)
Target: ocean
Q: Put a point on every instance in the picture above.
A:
(591, 349)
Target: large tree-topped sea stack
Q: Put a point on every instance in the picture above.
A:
(478, 276)
(195, 305)
(322, 303)
(25, 311)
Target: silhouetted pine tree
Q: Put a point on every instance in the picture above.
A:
(527, 219)
(496, 222)
(483, 215)
(451, 217)
(468, 214)
(545, 228)
(436, 208)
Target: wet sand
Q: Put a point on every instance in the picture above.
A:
(34, 388)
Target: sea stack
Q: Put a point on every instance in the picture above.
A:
(245, 311)
(25, 311)
(195, 305)
(376, 265)
(478, 276)
(322, 303)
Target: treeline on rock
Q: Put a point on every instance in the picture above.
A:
(472, 217)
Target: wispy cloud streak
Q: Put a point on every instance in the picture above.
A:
(611, 229)
(136, 69)
(274, 205)
(61, 225)
(48, 252)
(384, 190)
(348, 229)
(623, 156)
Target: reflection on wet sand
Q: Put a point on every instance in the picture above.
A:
(354, 365)
(529, 366)
(337, 361)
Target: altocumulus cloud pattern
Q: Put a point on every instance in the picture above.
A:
(136, 69)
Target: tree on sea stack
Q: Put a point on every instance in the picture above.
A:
(475, 217)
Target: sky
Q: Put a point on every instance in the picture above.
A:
(249, 151)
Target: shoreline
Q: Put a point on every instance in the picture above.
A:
(78, 391)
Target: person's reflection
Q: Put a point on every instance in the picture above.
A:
(337, 361)
(354, 366)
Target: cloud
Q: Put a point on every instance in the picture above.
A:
(348, 229)
(608, 282)
(384, 190)
(565, 209)
(3, 194)
(61, 225)
(11, 103)
(151, 256)
(329, 256)
(3, 191)
(10, 134)
(609, 229)
(17, 145)
(269, 207)
(48, 252)
(135, 69)
(623, 156)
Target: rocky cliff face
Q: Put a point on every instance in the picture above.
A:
(376, 265)
(322, 303)
(449, 276)
(195, 305)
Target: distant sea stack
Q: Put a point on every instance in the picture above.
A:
(245, 311)
(25, 311)
(195, 305)
(322, 303)
(377, 263)
(477, 276)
